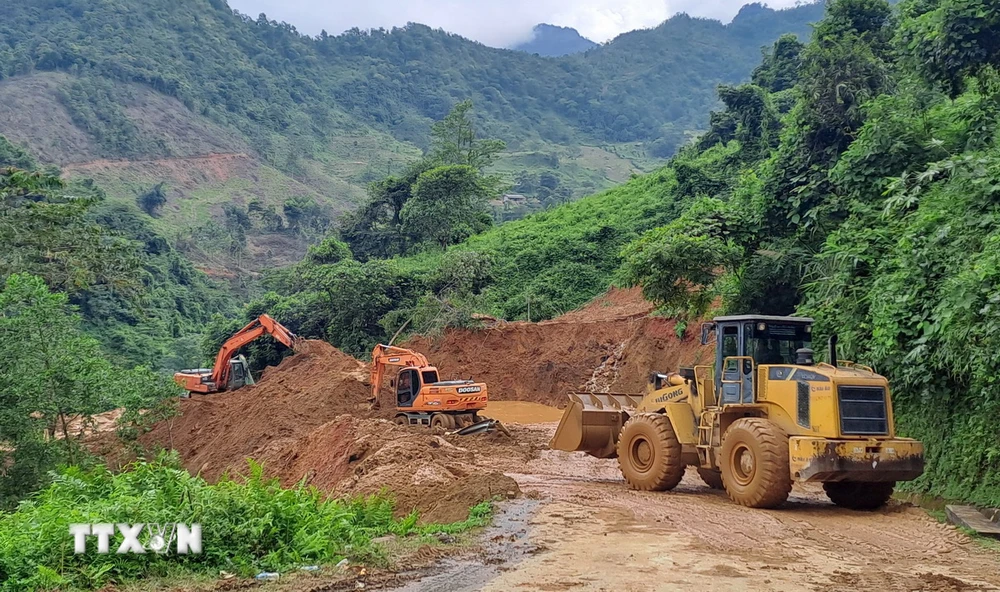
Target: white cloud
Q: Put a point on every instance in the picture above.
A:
(498, 23)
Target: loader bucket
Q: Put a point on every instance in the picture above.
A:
(591, 423)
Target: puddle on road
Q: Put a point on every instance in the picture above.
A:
(521, 412)
(505, 544)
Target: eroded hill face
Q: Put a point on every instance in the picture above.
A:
(610, 345)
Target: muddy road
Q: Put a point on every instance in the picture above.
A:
(588, 532)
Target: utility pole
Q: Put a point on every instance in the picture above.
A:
(528, 297)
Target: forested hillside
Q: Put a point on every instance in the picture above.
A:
(220, 108)
(854, 180)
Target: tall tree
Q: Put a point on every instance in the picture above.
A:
(454, 140)
(448, 205)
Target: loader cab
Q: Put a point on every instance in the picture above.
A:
(744, 342)
(410, 381)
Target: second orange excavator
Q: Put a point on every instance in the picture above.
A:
(231, 372)
(421, 397)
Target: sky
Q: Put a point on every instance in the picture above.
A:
(499, 23)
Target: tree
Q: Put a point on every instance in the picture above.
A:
(152, 200)
(678, 265)
(448, 205)
(14, 156)
(329, 251)
(51, 374)
(454, 141)
(779, 69)
(46, 232)
(952, 40)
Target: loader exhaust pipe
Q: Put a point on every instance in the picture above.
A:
(833, 350)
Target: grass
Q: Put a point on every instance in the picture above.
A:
(248, 526)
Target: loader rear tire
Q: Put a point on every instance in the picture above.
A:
(649, 454)
(858, 495)
(442, 420)
(401, 420)
(711, 478)
(755, 463)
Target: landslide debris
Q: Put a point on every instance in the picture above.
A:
(609, 345)
(308, 418)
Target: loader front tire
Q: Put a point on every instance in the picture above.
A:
(711, 478)
(401, 420)
(755, 463)
(857, 495)
(649, 453)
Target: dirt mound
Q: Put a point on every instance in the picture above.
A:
(352, 456)
(216, 433)
(308, 419)
(610, 345)
(612, 305)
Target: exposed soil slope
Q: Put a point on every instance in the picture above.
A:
(217, 433)
(610, 345)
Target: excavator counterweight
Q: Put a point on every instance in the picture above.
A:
(231, 373)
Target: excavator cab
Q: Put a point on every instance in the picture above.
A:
(239, 373)
(407, 387)
(409, 381)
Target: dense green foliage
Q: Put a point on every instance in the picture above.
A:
(248, 525)
(288, 93)
(136, 294)
(51, 374)
(441, 199)
(874, 209)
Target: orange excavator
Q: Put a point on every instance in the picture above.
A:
(231, 372)
(421, 397)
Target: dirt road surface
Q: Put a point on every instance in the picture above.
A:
(586, 531)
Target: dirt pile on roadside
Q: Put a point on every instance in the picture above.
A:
(610, 345)
(350, 456)
(216, 433)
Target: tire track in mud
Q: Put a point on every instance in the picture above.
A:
(597, 535)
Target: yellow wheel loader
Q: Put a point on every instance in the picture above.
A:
(764, 415)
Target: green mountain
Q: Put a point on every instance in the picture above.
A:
(233, 112)
(551, 41)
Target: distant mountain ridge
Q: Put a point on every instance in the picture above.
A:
(554, 41)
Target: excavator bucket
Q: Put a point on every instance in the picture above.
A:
(592, 422)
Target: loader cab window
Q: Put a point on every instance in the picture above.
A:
(407, 385)
(430, 376)
(776, 343)
(730, 341)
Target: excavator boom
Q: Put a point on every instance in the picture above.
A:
(218, 379)
(390, 355)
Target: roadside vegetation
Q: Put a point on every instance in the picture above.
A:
(249, 525)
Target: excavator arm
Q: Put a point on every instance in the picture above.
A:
(389, 355)
(217, 379)
(262, 325)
